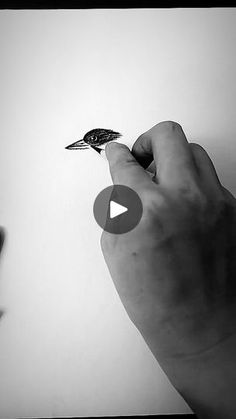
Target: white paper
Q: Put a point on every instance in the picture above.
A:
(67, 346)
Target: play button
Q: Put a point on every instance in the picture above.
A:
(117, 209)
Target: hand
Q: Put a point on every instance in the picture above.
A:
(2, 238)
(175, 272)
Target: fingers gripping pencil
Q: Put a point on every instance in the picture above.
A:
(95, 139)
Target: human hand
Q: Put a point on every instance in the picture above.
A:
(175, 272)
(2, 238)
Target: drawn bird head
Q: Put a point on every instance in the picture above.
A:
(94, 138)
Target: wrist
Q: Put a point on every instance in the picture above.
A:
(207, 381)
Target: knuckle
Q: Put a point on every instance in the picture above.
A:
(189, 190)
(141, 137)
(155, 209)
(163, 127)
(192, 198)
(150, 199)
(169, 126)
(196, 147)
(208, 209)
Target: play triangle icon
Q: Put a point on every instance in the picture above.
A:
(116, 209)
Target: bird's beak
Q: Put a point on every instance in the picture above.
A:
(78, 145)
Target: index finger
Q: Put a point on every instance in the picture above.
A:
(166, 143)
(124, 168)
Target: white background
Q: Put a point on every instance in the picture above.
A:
(67, 346)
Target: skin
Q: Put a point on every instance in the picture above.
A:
(175, 272)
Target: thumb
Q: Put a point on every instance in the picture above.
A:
(124, 168)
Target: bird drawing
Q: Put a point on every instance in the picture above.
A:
(94, 139)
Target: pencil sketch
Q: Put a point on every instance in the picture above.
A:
(94, 138)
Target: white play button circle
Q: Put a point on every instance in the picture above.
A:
(116, 209)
